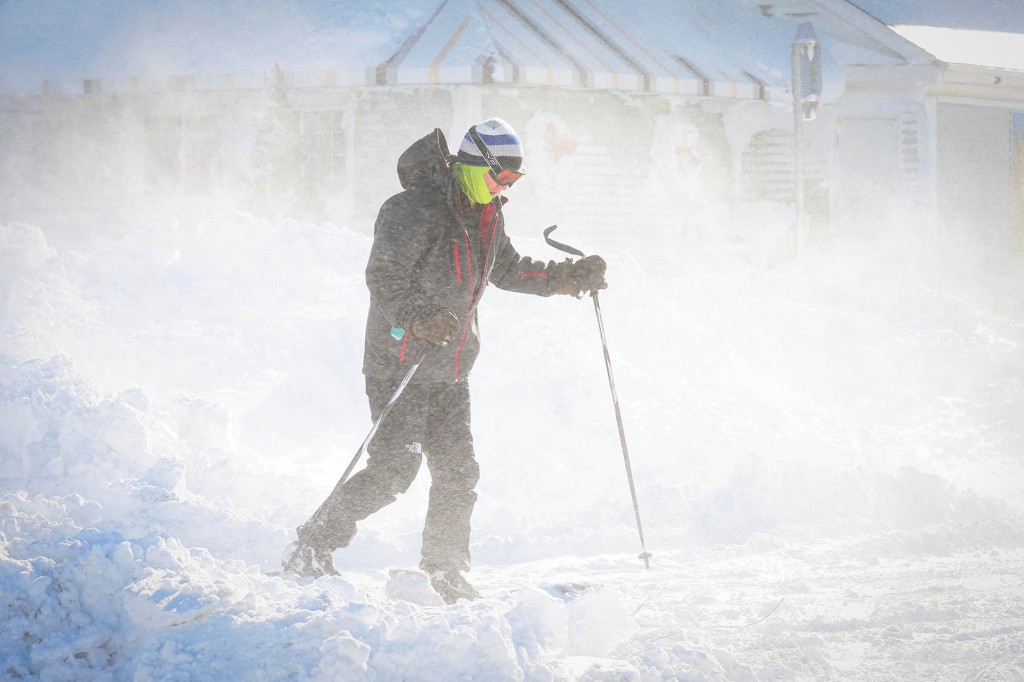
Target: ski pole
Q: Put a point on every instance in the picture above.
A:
(383, 413)
(644, 554)
(314, 520)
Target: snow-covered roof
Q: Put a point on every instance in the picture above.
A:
(732, 48)
(979, 15)
(725, 48)
(968, 46)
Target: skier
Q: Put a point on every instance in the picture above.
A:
(436, 246)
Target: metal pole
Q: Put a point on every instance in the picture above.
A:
(798, 144)
(380, 418)
(315, 519)
(644, 554)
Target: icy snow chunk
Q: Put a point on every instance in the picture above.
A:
(36, 398)
(569, 629)
(411, 586)
(591, 669)
(204, 424)
(539, 621)
(122, 427)
(574, 619)
(165, 599)
(123, 555)
(103, 440)
(456, 642)
(182, 585)
(332, 591)
(344, 657)
(670, 659)
(168, 554)
(41, 518)
(166, 474)
(597, 618)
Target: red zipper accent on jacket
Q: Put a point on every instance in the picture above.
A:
(458, 263)
(469, 265)
(488, 219)
(469, 312)
(401, 354)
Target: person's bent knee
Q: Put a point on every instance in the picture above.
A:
(403, 470)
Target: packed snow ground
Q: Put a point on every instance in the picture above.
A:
(840, 433)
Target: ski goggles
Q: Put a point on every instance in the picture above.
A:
(506, 177)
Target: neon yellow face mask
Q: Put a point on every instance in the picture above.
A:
(471, 180)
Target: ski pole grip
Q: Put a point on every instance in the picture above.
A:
(559, 245)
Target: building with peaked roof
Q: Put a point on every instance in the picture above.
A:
(651, 117)
(954, 123)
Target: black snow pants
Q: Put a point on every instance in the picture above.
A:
(429, 420)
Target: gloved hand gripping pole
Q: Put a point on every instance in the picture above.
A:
(644, 554)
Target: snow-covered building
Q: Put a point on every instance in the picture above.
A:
(950, 126)
(673, 119)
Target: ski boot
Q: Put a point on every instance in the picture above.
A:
(452, 586)
(307, 560)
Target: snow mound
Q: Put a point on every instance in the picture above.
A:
(84, 602)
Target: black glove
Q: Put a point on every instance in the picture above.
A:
(586, 274)
(438, 329)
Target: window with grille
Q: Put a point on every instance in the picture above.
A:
(768, 167)
(323, 150)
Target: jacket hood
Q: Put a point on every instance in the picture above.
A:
(426, 159)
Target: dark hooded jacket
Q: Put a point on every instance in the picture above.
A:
(432, 250)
